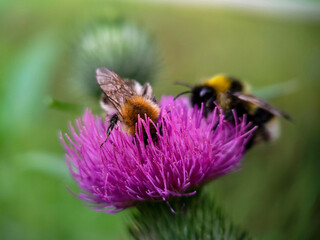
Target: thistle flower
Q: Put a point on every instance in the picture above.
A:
(190, 151)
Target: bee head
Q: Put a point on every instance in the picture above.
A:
(203, 94)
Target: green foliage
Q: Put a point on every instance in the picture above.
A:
(27, 82)
(194, 218)
(119, 46)
(277, 90)
(63, 106)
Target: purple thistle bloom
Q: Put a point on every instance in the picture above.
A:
(187, 154)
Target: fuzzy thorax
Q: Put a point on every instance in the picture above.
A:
(220, 83)
(135, 106)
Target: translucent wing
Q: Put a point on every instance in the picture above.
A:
(262, 104)
(108, 106)
(115, 89)
(111, 83)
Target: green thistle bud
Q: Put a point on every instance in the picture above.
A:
(119, 46)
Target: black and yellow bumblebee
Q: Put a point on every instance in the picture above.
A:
(230, 93)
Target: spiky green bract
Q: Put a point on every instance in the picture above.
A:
(196, 218)
(120, 46)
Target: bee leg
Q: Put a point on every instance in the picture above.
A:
(210, 102)
(259, 119)
(229, 116)
(112, 122)
(209, 106)
(265, 135)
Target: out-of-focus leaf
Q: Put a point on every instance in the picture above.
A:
(277, 90)
(26, 83)
(63, 106)
(48, 163)
(4, 4)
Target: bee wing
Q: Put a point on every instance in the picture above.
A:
(107, 105)
(262, 104)
(115, 89)
(111, 83)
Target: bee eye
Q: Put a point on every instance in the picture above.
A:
(203, 92)
(206, 92)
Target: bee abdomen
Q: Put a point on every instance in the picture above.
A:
(262, 116)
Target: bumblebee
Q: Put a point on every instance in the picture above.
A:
(231, 93)
(125, 100)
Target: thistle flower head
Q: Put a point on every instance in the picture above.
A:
(190, 150)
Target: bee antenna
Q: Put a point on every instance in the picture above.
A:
(183, 84)
(180, 94)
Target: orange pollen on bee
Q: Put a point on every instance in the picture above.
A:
(135, 106)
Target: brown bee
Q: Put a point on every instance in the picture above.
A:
(125, 100)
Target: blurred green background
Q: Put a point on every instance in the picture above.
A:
(275, 196)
